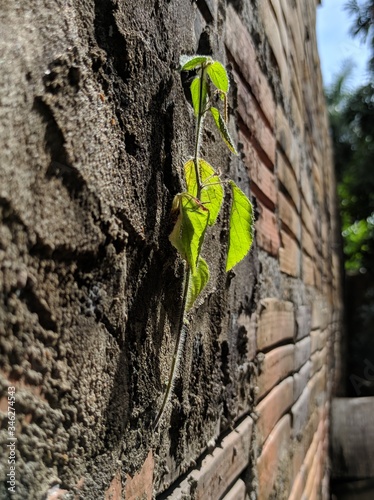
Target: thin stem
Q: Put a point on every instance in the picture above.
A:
(179, 343)
(198, 133)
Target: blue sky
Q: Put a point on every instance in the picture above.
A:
(336, 45)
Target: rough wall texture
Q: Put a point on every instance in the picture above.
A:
(94, 128)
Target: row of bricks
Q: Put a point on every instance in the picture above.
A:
(265, 127)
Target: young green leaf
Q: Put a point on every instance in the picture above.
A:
(218, 75)
(221, 125)
(197, 282)
(199, 101)
(189, 230)
(212, 192)
(191, 62)
(241, 227)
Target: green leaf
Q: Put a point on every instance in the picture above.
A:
(191, 62)
(212, 193)
(189, 230)
(197, 282)
(218, 75)
(197, 87)
(221, 125)
(241, 227)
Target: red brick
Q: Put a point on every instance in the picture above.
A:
(254, 121)
(237, 492)
(288, 215)
(258, 172)
(289, 255)
(267, 232)
(240, 45)
(141, 485)
(275, 451)
(221, 468)
(273, 407)
(275, 323)
(276, 366)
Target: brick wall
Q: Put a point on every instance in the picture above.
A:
(94, 130)
(279, 446)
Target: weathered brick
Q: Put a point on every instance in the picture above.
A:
(272, 407)
(320, 313)
(300, 412)
(298, 485)
(288, 215)
(276, 366)
(253, 120)
(267, 232)
(317, 388)
(237, 492)
(308, 218)
(308, 243)
(297, 115)
(314, 338)
(287, 177)
(301, 379)
(302, 352)
(259, 173)
(281, 24)
(275, 451)
(221, 468)
(302, 443)
(241, 47)
(308, 272)
(287, 141)
(303, 321)
(275, 323)
(141, 485)
(289, 255)
(273, 34)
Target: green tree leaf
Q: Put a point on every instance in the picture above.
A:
(199, 102)
(221, 125)
(189, 63)
(197, 282)
(189, 230)
(241, 227)
(218, 75)
(212, 192)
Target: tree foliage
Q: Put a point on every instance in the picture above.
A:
(352, 126)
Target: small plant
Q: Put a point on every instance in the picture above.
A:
(198, 207)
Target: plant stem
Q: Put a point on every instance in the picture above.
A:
(198, 133)
(178, 349)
